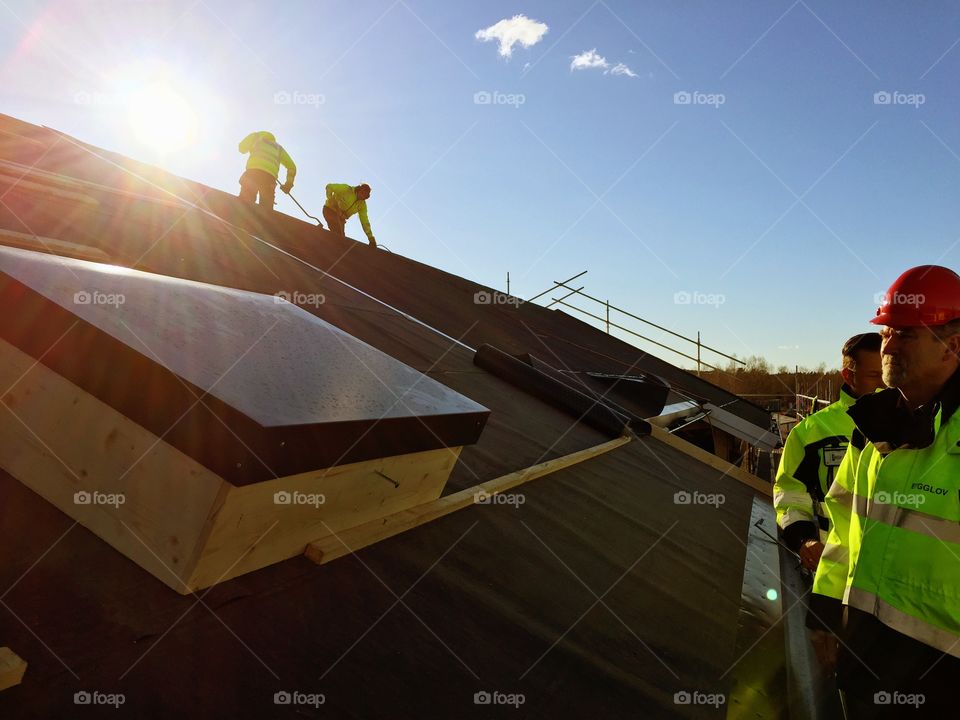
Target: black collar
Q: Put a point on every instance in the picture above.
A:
(885, 419)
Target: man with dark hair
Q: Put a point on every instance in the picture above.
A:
(889, 581)
(344, 201)
(814, 449)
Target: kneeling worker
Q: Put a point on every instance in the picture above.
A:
(344, 201)
(263, 167)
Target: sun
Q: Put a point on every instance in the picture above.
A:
(161, 118)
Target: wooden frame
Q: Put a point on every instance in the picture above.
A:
(172, 516)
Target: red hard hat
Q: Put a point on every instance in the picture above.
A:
(924, 295)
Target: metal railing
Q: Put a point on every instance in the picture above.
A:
(813, 402)
(606, 308)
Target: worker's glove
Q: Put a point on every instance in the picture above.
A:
(286, 187)
(373, 242)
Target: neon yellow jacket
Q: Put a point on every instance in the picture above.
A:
(904, 537)
(343, 198)
(831, 578)
(811, 455)
(266, 154)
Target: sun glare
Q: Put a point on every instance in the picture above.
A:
(161, 118)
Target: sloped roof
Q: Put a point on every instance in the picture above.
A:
(598, 595)
(403, 283)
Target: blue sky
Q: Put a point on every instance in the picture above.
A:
(780, 201)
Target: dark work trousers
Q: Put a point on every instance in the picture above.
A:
(258, 182)
(335, 221)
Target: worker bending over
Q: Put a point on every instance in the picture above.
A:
(344, 201)
(263, 167)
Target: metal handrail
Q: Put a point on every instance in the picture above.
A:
(642, 337)
(606, 303)
(648, 322)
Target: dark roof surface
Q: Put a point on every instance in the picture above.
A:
(598, 596)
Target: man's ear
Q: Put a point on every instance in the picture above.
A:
(847, 375)
(952, 344)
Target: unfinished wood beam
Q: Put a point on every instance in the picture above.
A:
(332, 547)
(728, 469)
(12, 668)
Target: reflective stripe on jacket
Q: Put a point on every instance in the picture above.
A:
(904, 540)
(831, 577)
(811, 456)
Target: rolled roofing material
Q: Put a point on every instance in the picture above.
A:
(561, 396)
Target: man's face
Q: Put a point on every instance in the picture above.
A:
(910, 356)
(868, 377)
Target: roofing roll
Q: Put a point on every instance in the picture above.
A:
(559, 395)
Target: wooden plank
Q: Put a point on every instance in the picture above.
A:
(58, 440)
(331, 547)
(712, 460)
(12, 668)
(252, 530)
(52, 246)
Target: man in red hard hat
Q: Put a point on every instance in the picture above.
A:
(900, 599)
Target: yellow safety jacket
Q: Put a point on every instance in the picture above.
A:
(831, 577)
(343, 198)
(267, 155)
(904, 537)
(811, 456)
(898, 558)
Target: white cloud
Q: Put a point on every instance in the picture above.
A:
(621, 69)
(518, 29)
(592, 60)
(588, 60)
